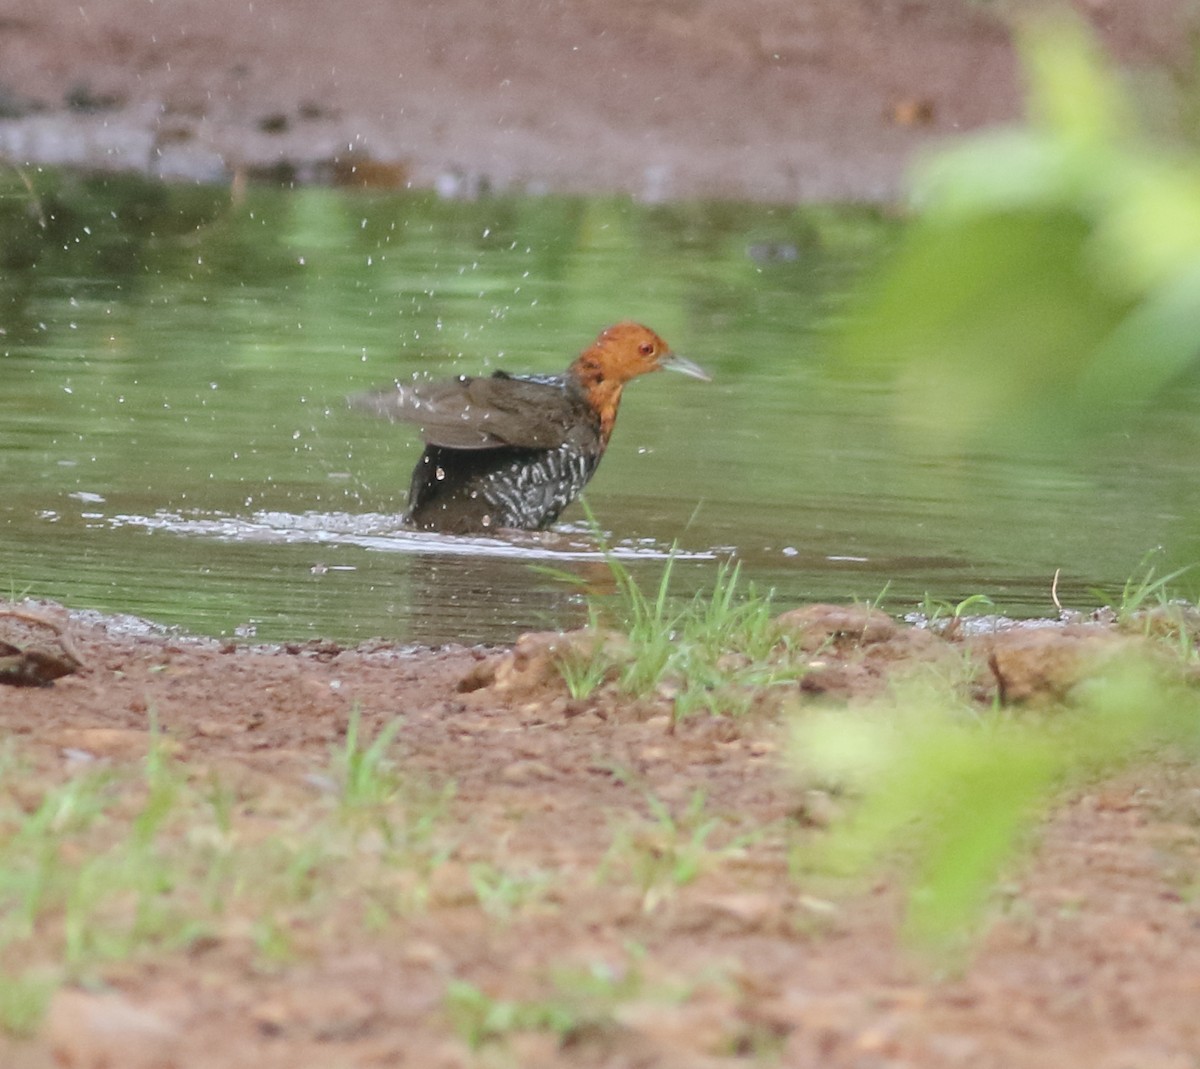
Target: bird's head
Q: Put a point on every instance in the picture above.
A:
(620, 353)
(625, 351)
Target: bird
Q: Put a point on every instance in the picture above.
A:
(508, 451)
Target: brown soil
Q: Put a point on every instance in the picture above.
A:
(1093, 961)
(757, 99)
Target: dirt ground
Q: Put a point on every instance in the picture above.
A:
(773, 100)
(699, 935)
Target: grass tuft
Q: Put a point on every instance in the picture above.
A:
(581, 1001)
(667, 852)
(714, 652)
(365, 778)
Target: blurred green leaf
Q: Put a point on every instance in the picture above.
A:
(1072, 93)
(956, 793)
(1049, 283)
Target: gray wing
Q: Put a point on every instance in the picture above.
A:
(481, 413)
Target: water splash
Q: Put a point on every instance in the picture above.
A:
(380, 532)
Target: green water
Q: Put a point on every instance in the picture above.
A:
(175, 444)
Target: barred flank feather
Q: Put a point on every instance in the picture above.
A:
(455, 490)
(532, 494)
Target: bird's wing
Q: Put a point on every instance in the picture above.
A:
(481, 413)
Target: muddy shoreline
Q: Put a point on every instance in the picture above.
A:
(559, 881)
(776, 102)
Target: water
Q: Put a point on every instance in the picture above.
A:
(175, 443)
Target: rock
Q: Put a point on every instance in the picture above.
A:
(824, 678)
(479, 675)
(1166, 621)
(532, 663)
(742, 911)
(816, 626)
(34, 667)
(117, 743)
(691, 1028)
(518, 773)
(325, 1012)
(1045, 664)
(89, 1031)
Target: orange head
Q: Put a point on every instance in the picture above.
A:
(621, 353)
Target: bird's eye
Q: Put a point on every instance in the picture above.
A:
(645, 348)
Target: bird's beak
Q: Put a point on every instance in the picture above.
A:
(672, 362)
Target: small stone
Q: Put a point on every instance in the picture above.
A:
(118, 743)
(271, 1016)
(424, 953)
(751, 910)
(521, 772)
(817, 625)
(532, 664)
(1032, 665)
(685, 1028)
(87, 1031)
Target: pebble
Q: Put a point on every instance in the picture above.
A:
(90, 1031)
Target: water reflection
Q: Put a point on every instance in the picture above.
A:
(440, 589)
